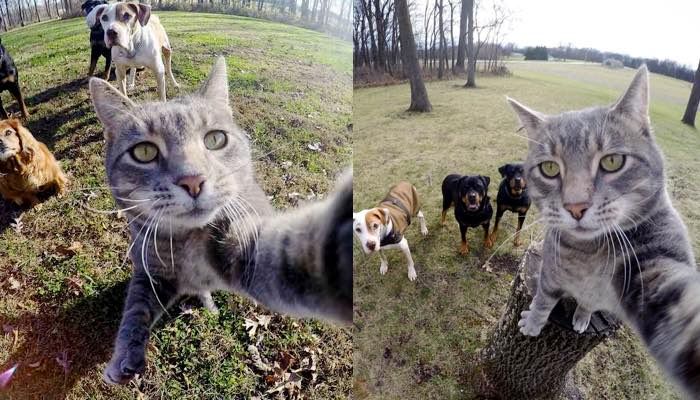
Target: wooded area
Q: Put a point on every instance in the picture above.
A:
(331, 16)
(441, 34)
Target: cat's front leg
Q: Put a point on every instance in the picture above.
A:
(533, 320)
(142, 309)
(582, 318)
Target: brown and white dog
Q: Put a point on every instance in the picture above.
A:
(137, 39)
(27, 167)
(382, 227)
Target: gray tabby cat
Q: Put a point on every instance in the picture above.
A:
(199, 222)
(613, 241)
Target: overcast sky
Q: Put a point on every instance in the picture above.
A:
(644, 28)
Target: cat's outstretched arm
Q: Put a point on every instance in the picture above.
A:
(301, 263)
(145, 302)
(664, 308)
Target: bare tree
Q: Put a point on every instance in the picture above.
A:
(419, 95)
(441, 53)
(471, 56)
(692, 109)
(461, 42)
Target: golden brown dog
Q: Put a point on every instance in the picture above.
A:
(27, 167)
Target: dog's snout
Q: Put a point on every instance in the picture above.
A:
(371, 245)
(471, 197)
(192, 184)
(577, 209)
(111, 33)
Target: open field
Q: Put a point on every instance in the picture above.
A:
(417, 340)
(62, 276)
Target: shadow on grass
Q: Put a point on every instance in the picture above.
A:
(82, 333)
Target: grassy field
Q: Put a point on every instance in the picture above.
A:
(416, 340)
(62, 276)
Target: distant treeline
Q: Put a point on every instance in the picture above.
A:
(663, 67)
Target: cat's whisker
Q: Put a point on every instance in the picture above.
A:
(155, 239)
(133, 239)
(144, 262)
(625, 282)
(108, 212)
(527, 138)
(172, 255)
(523, 229)
(639, 266)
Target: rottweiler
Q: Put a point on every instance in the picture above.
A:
(469, 195)
(97, 40)
(9, 80)
(512, 196)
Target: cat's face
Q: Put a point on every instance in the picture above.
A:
(594, 171)
(178, 162)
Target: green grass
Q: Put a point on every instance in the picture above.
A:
(439, 322)
(62, 276)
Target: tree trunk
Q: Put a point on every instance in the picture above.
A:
(36, 10)
(419, 95)
(441, 55)
(381, 36)
(461, 42)
(452, 35)
(515, 366)
(692, 109)
(471, 61)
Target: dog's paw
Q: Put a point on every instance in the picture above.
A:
(464, 249)
(424, 231)
(124, 367)
(412, 273)
(528, 325)
(488, 243)
(383, 268)
(517, 242)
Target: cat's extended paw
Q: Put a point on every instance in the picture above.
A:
(121, 369)
(581, 320)
(412, 273)
(528, 325)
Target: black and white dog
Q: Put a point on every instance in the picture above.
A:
(97, 41)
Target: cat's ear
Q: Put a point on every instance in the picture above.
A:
(530, 118)
(634, 103)
(110, 105)
(215, 88)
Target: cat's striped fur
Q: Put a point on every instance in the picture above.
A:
(629, 253)
(199, 221)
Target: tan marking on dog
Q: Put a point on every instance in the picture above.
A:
(374, 215)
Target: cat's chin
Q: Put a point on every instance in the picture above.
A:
(193, 219)
(583, 233)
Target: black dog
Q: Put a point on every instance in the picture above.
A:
(97, 41)
(512, 196)
(9, 80)
(469, 194)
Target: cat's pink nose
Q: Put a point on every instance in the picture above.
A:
(577, 209)
(192, 184)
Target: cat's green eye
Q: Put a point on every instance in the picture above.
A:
(550, 169)
(144, 152)
(215, 140)
(612, 162)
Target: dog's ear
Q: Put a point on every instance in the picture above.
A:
(143, 12)
(502, 170)
(110, 106)
(486, 180)
(215, 88)
(27, 142)
(387, 215)
(93, 17)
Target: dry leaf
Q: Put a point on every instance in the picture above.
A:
(14, 283)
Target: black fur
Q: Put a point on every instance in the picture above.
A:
(9, 80)
(97, 41)
(457, 187)
(508, 199)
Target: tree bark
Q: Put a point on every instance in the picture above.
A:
(471, 61)
(692, 109)
(419, 95)
(461, 42)
(441, 52)
(515, 366)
